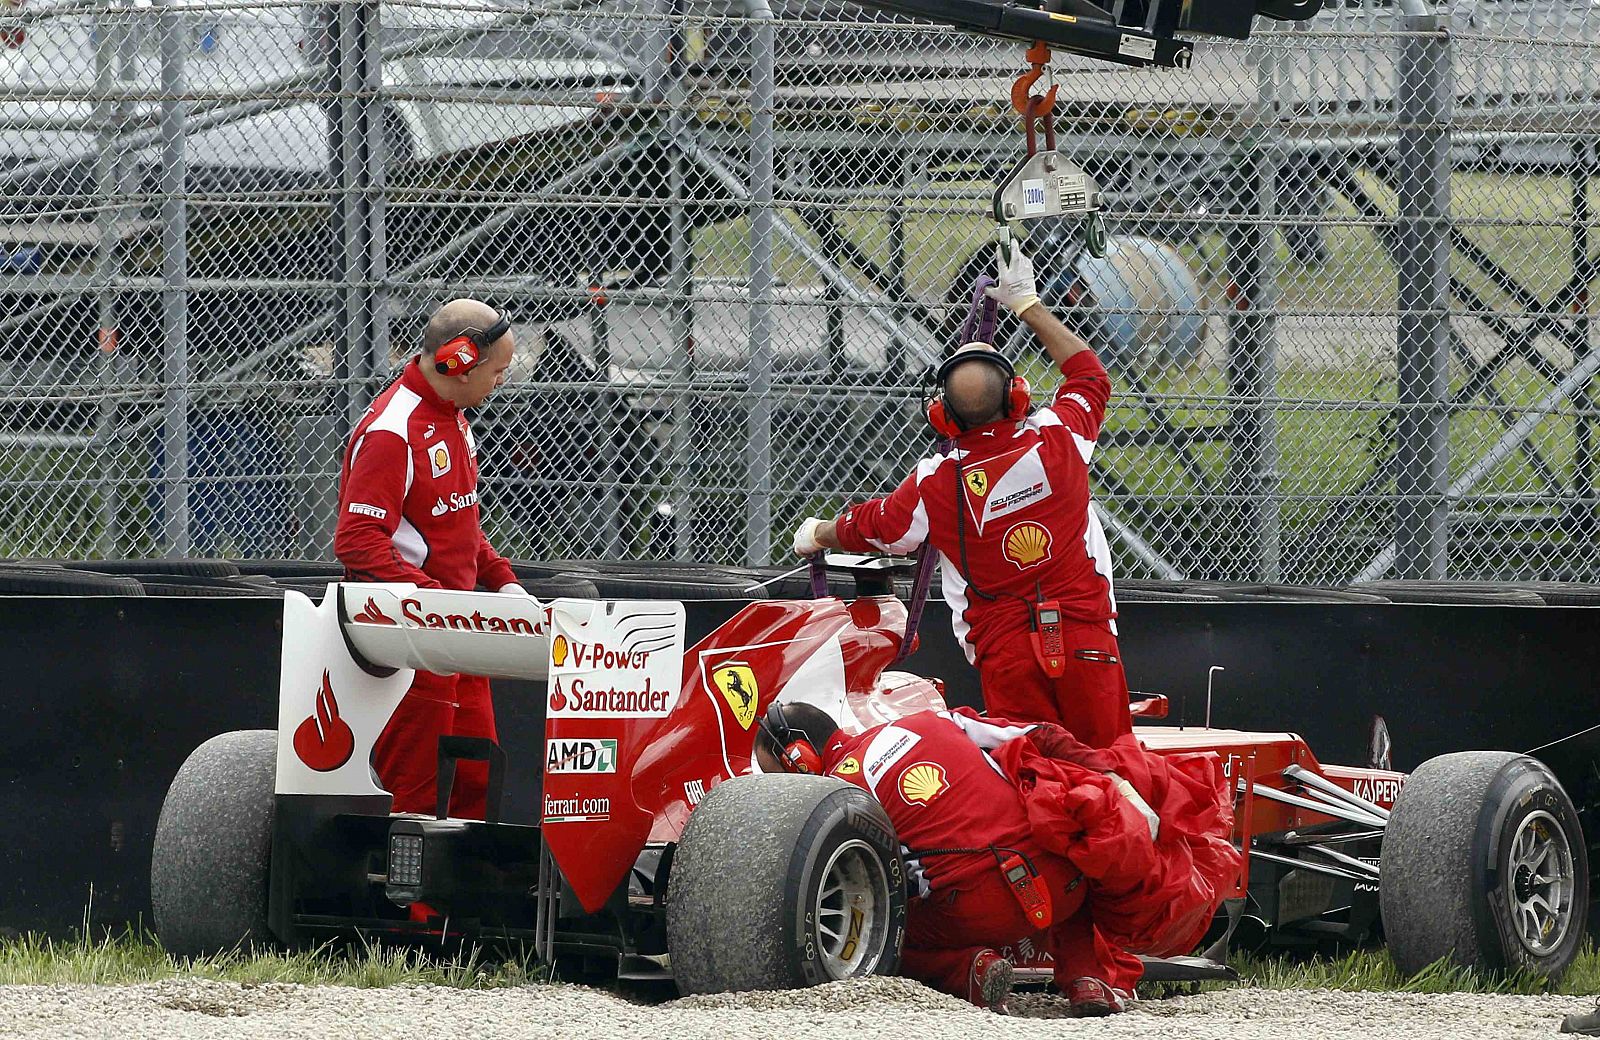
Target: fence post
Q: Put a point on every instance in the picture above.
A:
(174, 283)
(116, 65)
(1422, 334)
(1253, 333)
(355, 147)
(758, 446)
(668, 86)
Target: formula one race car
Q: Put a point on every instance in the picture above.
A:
(658, 855)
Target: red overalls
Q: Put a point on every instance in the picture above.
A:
(1008, 509)
(942, 791)
(408, 511)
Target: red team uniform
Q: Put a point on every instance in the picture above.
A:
(954, 785)
(408, 511)
(942, 791)
(1015, 497)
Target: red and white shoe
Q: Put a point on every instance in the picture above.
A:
(1091, 998)
(989, 981)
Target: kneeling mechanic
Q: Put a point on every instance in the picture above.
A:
(984, 881)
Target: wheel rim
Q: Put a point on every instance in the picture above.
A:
(851, 911)
(1541, 883)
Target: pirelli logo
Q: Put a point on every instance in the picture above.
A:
(376, 512)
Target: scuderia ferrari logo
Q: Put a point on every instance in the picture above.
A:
(978, 482)
(737, 684)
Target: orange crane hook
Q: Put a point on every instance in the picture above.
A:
(1026, 104)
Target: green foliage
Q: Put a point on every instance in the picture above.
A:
(1374, 970)
(134, 957)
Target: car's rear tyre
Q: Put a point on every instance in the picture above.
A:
(213, 847)
(1484, 863)
(781, 882)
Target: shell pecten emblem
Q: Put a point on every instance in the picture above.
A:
(922, 782)
(737, 684)
(1027, 543)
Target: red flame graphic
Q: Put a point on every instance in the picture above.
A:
(372, 615)
(558, 700)
(324, 740)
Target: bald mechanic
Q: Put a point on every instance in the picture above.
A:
(408, 512)
(1025, 564)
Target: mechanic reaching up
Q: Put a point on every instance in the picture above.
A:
(408, 511)
(1025, 564)
(1012, 830)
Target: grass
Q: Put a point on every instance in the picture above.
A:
(1373, 970)
(134, 957)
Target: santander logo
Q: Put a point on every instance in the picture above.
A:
(370, 614)
(324, 741)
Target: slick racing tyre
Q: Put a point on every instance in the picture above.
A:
(191, 585)
(1484, 863)
(198, 567)
(784, 881)
(40, 580)
(213, 847)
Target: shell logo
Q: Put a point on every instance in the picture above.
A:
(1027, 543)
(558, 651)
(922, 782)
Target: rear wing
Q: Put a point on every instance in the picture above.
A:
(346, 664)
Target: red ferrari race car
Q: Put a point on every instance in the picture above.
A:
(660, 854)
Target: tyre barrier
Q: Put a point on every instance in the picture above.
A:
(653, 579)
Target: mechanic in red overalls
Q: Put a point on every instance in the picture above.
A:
(408, 511)
(962, 825)
(1025, 564)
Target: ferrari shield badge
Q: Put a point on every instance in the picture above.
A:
(737, 684)
(978, 482)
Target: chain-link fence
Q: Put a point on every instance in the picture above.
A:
(1345, 298)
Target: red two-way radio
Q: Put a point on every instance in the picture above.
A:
(1049, 646)
(1029, 889)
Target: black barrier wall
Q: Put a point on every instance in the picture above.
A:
(110, 695)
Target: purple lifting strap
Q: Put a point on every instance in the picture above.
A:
(819, 576)
(982, 314)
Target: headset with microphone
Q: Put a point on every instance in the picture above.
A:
(797, 754)
(461, 353)
(977, 333)
(1018, 396)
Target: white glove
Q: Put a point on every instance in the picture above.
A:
(805, 537)
(1014, 285)
(512, 589)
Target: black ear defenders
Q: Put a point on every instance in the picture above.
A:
(461, 353)
(797, 756)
